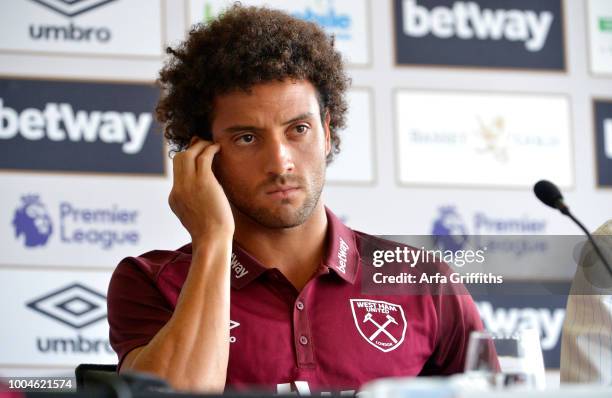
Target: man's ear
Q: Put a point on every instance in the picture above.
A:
(327, 133)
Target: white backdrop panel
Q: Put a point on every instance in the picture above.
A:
(102, 28)
(347, 20)
(79, 208)
(356, 163)
(65, 323)
(483, 139)
(599, 24)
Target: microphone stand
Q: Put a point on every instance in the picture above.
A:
(565, 210)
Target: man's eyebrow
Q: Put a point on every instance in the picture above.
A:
(305, 115)
(238, 128)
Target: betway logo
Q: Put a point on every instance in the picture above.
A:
(548, 322)
(59, 122)
(237, 267)
(607, 138)
(466, 20)
(342, 256)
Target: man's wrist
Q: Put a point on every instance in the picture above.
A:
(219, 240)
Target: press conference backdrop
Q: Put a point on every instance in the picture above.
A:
(457, 108)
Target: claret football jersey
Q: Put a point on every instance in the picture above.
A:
(328, 337)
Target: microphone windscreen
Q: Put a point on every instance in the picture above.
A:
(548, 193)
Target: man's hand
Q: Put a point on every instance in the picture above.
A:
(197, 198)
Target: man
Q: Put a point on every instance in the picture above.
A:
(268, 294)
(586, 345)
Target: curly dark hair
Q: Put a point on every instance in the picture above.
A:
(246, 46)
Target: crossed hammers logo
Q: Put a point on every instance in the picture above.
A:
(381, 328)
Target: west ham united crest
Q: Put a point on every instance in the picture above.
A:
(380, 323)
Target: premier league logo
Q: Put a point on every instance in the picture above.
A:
(32, 221)
(381, 324)
(448, 230)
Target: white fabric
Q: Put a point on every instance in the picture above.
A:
(586, 347)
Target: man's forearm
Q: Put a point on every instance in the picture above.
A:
(191, 351)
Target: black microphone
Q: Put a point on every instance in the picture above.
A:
(549, 194)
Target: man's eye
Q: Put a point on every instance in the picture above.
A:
(245, 139)
(301, 129)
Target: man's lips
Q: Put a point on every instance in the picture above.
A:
(281, 190)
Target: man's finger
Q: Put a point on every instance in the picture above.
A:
(177, 166)
(187, 158)
(205, 159)
(196, 146)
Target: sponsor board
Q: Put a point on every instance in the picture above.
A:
(88, 27)
(450, 222)
(347, 20)
(66, 126)
(49, 222)
(74, 224)
(537, 269)
(480, 33)
(544, 313)
(602, 110)
(516, 244)
(57, 318)
(46, 230)
(356, 160)
(483, 139)
(599, 25)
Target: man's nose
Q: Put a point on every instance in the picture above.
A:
(279, 157)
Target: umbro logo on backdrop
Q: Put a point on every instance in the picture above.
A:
(71, 32)
(78, 307)
(75, 305)
(72, 8)
(84, 27)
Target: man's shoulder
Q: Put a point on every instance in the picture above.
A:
(153, 263)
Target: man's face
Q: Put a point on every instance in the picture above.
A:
(273, 151)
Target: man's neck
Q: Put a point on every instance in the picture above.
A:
(296, 251)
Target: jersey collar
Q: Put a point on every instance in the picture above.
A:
(341, 255)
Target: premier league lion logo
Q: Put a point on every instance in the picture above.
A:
(32, 220)
(449, 231)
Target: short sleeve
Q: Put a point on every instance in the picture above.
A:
(136, 308)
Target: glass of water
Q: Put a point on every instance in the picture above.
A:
(506, 360)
